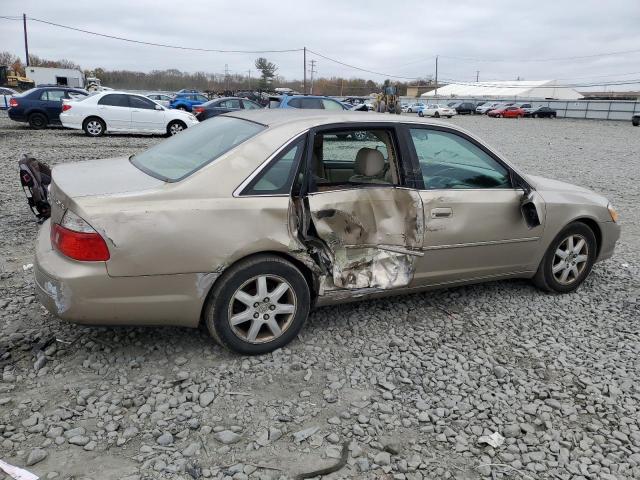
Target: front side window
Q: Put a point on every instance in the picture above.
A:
(448, 161)
(249, 105)
(181, 155)
(114, 100)
(277, 178)
(331, 105)
(139, 102)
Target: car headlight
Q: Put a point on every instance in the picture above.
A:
(613, 212)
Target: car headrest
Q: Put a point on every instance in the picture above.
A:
(369, 162)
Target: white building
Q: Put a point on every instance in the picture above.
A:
(512, 89)
(67, 77)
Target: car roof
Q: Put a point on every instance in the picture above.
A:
(309, 118)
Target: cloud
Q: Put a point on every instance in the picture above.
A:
(401, 38)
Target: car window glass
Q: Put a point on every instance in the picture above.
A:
(181, 155)
(448, 161)
(56, 95)
(277, 178)
(233, 103)
(201, 98)
(331, 105)
(249, 105)
(353, 157)
(114, 100)
(295, 103)
(314, 103)
(139, 102)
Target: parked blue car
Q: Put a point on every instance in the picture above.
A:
(188, 100)
(315, 102)
(41, 106)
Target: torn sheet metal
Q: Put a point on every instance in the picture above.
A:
(371, 268)
(372, 235)
(17, 473)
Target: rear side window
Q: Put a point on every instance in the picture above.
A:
(277, 178)
(114, 100)
(233, 103)
(52, 95)
(249, 105)
(295, 103)
(181, 155)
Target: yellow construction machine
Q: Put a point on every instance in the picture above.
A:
(11, 79)
(388, 100)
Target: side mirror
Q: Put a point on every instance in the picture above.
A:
(530, 210)
(159, 107)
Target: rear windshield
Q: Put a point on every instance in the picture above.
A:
(181, 155)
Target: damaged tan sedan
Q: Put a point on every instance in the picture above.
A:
(247, 221)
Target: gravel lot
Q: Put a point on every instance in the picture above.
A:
(414, 385)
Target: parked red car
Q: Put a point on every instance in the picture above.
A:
(507, 112)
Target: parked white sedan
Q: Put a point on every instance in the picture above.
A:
(435, 110)
(5, 96)
(123, 112)
(160, 98)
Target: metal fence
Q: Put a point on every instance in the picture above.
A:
(589, 109)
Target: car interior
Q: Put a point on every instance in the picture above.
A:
(342, 159)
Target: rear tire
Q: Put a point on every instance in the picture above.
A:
(260, 324)
(635, 122)
(567, 263)
(436, 115)
(175, 127)
(38, 121)
(94, 127)
(420, 114)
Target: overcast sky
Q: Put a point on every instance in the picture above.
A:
(500, 38)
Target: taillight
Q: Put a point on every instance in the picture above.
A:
(76, 239)
(198, 110)
(65, 107)
(13, 102)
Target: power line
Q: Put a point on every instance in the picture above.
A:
(554, 59)
(359, 68)
(177, 47)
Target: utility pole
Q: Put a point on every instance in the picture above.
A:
(477, 75)
(436, 92)
(26, 41)
(305, 70)
(249, 72)
(226, 76)
(313, 70)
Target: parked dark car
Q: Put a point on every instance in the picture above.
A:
(466, 108)
(219, 106)
(41, 106)
(635, 120)
(540, 112)
(315, 102)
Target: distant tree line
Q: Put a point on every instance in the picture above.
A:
(172, 79)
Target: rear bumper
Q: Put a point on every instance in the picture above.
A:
(16, 116)
(71, 121)
(83, 292)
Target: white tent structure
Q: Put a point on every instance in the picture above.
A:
(515, 89)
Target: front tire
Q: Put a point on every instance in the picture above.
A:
(175, 127)
(258, 305)
(94, 127)
(437, 114)
(635, 122)
(38, 121)
(420, 114)
(568, 260)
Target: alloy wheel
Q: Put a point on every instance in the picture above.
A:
(262, 309)
(570, 259)
(175, 128)
(94, 127)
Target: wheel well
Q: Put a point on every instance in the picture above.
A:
(595, 228)
(305, 270)
(41, 112)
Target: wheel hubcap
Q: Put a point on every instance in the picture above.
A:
(570, 259)
(175, 128)
(94, 127)
(262, 309)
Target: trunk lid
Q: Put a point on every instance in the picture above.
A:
(90, 178)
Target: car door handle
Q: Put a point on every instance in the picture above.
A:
(441, 212)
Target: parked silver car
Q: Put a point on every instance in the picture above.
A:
(250, 219)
